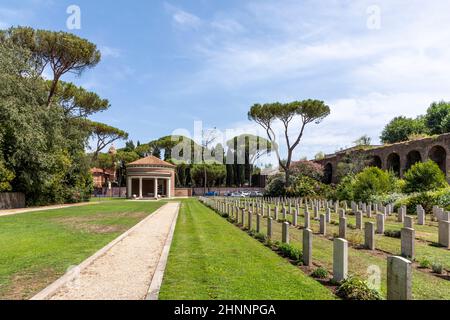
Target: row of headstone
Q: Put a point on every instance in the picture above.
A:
(408, 234)
(399, 269)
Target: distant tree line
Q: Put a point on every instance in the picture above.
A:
(236, 167)
(436, 121)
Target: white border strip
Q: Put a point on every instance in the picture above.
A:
(48, 292)
(155, 285)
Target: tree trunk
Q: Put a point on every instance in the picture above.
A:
(204, 180)
(287, 176)
(52, 90)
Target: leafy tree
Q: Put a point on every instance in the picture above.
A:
(208, 138)
(127, 156)
(168, 145)
(250, 148)
(129, 146)
(215, 173)
(39, 146)
(103, 161)
(78, 102)
(104, 135)
(365, 140)
(319, 155)
(401, 128)
(307, 112)
(424, 176)
(6, 176)
(62, 52)
(437, 118)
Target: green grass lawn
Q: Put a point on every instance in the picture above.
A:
(212, 259)
(425, 285)
(38, 247)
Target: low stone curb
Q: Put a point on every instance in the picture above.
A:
(49, 291)
(155, 285)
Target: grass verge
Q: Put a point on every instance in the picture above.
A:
(212, 259)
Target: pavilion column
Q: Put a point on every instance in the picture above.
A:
(140, 188)
(168, 188)
(129, 186)
(156, 188)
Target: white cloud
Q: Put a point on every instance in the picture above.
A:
(183, 18)
(109, 52)
(11, 17)
(324, 50)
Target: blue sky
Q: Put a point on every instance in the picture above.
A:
(168, 63)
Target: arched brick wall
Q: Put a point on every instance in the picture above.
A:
(436, 148)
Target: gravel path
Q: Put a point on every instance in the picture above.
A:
(125, 270)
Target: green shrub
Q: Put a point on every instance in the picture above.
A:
(320, 273)
(424, 176)
(393, 234)
(289, 251)
(373, 181)
(345, 188)
(424, 263)
(426, 199)
(356, 289)
(442, 198)
(437, 268)
(388, 198)
(260, 236)
(275, 186)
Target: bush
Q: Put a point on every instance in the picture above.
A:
(300, 186)
(424, 263)
(442, 198)
(437, 268)
(320, 273)
(393, 234)
(426, 199)
(304, 186)
(345, 190)
(275, 186)
(307, 168)
(356, 289)
(426, 176)
(373, 181)
(290, 252)
(386, 199)
(260, 236)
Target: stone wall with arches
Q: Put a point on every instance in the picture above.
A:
(398, 157)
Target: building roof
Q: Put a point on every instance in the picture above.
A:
(151, 161)
(102, 171)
